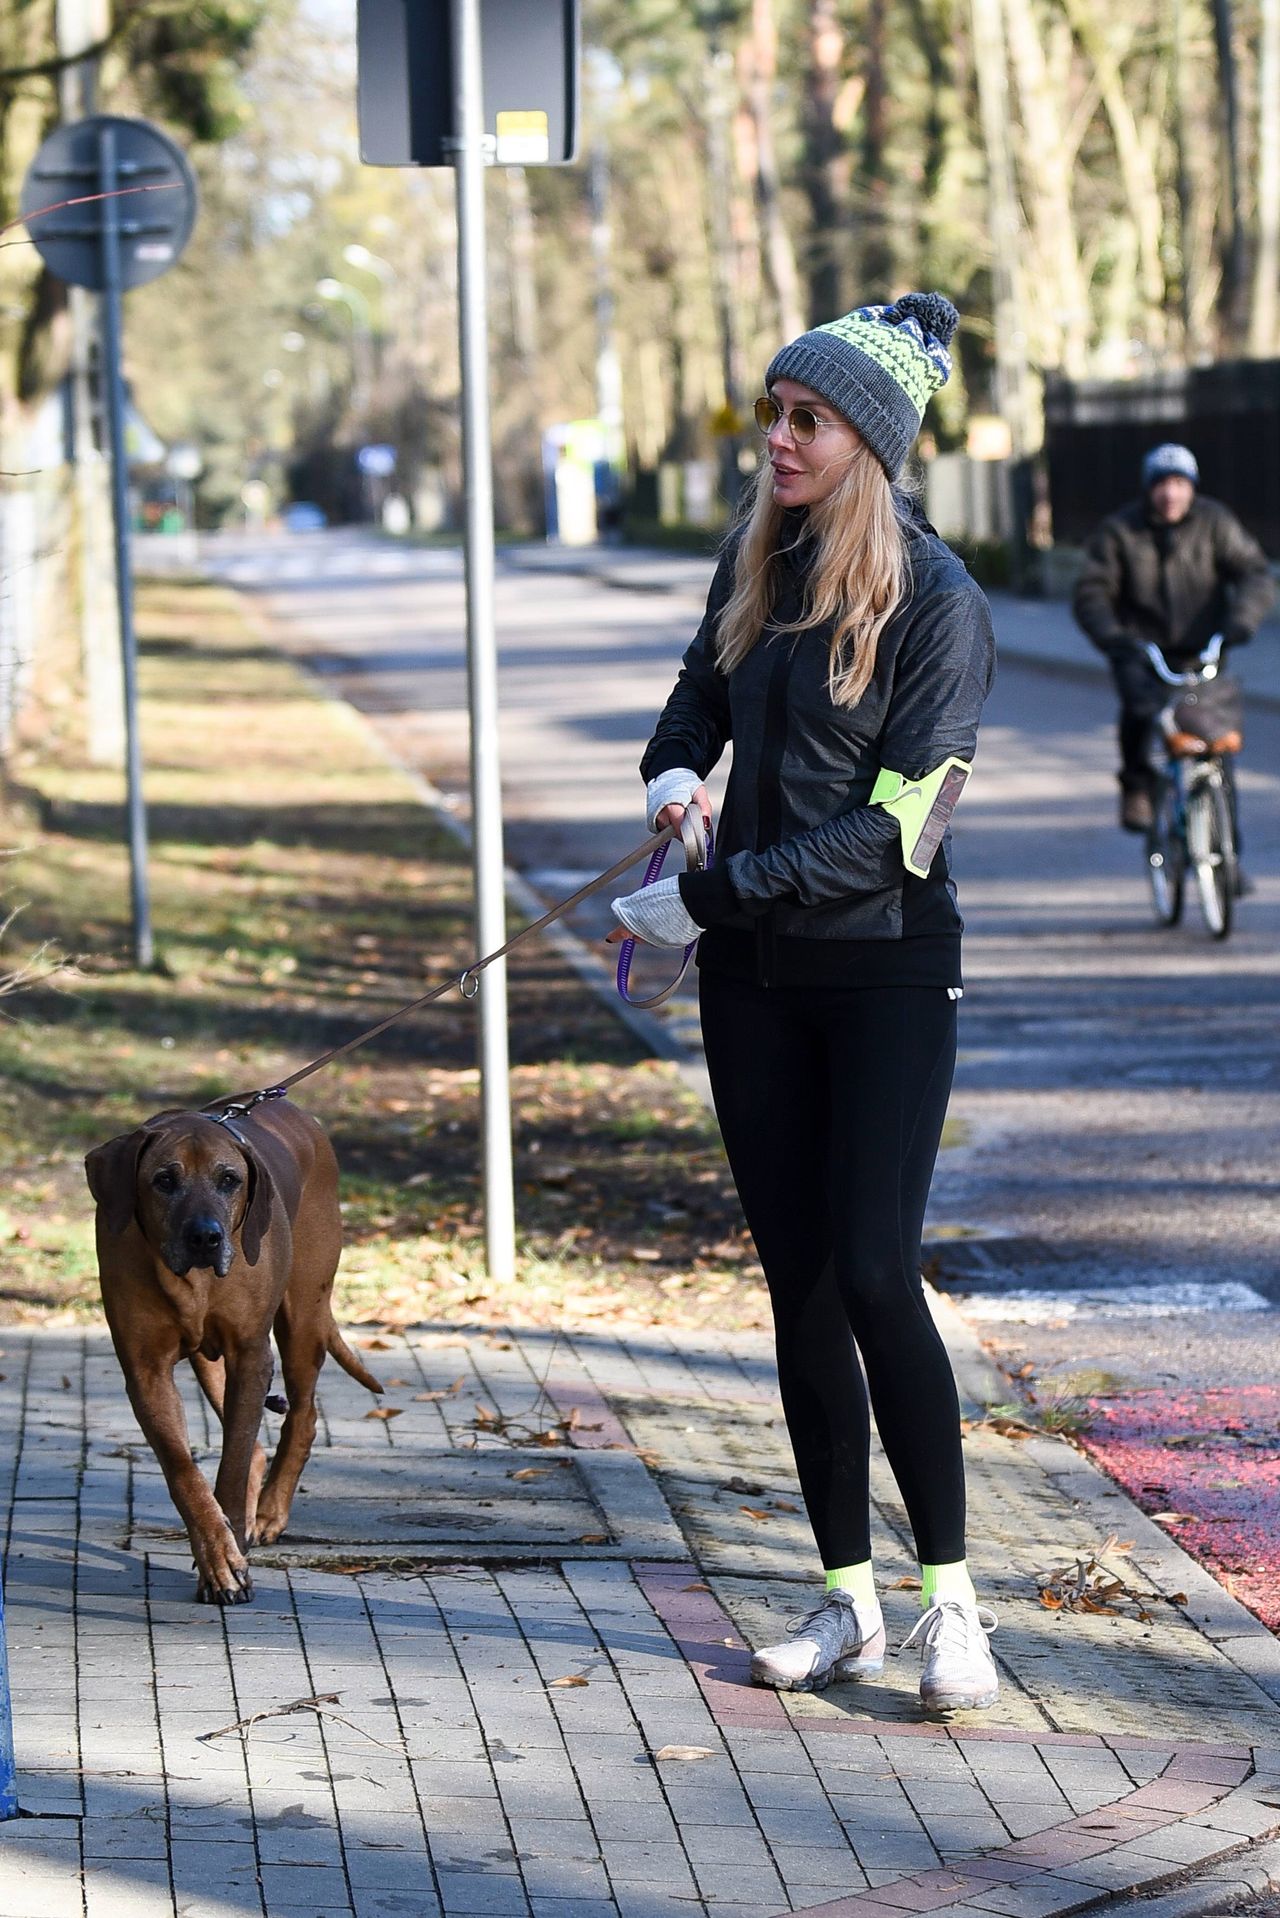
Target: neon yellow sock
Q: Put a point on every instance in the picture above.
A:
(947, 1581)
(857, 1580)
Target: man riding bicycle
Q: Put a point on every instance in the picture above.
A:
(1170, 569)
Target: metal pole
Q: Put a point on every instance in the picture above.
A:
(112, 331)
(8, 1773)
(482, 673)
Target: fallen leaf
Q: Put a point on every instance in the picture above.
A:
(1177, 1598)
(779, 1504)
(574, 1678)
(443, 1391)
(401, 1382)
(761, 1518)
(905, 1585)
(1174, 1518)
(697, 1586)
(682, 1754)
(385, 1412)
(530, 1471)
(377, 1345)
(747, 1485)
(594, 1538)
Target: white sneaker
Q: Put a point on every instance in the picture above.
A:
(834, 1642)
(959, 1672)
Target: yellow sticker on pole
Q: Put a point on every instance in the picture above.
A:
(524, 139)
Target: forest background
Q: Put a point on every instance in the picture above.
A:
(1097, 187)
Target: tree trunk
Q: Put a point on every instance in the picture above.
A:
(876, 252)
(825, 167)
(1232, 298)
(1012, 375)
(1266, 266)
(1064, 304)
(1137, 174)
(778, 251)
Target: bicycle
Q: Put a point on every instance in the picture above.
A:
(1195, 816)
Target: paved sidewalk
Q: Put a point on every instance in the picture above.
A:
(501, 1666)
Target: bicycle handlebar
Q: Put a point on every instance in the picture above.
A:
(1206, 668)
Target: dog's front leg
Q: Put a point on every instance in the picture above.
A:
(247, 1381)
(212, 1375)
(221, 1567)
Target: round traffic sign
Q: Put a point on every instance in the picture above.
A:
(153, 200)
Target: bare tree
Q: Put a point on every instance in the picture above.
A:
(762, 73)
(1266, 265)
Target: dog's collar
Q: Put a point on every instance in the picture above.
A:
(228, 1124)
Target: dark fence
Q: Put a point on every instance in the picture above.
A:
(1096, 432)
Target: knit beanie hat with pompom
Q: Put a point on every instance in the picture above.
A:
(878, 366)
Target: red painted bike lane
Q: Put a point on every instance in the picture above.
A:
(1207, 1465)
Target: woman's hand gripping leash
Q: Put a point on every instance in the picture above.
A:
(655, 915)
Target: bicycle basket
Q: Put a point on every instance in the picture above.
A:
(1211, 712)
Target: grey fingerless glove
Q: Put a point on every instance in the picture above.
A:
(657, 914)
(673, 788)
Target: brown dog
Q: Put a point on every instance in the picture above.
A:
(212, 1232)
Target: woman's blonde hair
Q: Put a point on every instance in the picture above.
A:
(859, 577)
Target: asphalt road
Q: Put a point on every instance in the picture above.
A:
(1112, 1203)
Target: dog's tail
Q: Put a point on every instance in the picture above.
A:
(339, 1349)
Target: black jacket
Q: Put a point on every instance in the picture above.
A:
(1174, 585)
(798, 842)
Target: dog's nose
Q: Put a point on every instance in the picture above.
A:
(204, 1236)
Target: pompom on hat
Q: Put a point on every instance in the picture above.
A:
(879, 366)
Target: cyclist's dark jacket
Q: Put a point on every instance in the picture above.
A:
(1175, 586)
(809, 887)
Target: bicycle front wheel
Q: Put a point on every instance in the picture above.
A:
(1166, 857)
(1213, 853)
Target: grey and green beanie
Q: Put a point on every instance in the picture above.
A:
(879, 366)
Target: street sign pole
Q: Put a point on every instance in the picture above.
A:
(112, 342)
(109, 204)
(482, 668)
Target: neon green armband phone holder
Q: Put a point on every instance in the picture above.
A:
(922, 808)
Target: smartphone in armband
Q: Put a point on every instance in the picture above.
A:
(922, 808)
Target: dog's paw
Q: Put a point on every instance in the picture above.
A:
(269, 1521)
(222, 1570)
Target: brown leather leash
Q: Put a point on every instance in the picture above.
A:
(468, 982)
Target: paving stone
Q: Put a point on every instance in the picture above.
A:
(303, 1884)
(1037, 1899)
(493, 1897)
(826, 1865)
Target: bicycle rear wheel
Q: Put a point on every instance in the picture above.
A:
(1166, 857)
(1213, 853)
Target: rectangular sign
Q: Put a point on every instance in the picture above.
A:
(529, 56)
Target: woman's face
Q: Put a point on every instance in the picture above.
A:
(806, 475)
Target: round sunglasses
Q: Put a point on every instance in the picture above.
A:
(802, 422)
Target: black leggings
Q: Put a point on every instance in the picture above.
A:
(831, 1103)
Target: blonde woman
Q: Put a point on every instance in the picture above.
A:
(843, 644)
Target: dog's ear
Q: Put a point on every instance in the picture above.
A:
(257, 1211)
(112, 1172)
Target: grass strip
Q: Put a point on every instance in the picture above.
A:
(300, 891)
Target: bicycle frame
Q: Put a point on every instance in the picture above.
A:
(1194, 827)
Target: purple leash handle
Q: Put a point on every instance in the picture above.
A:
(699, 852)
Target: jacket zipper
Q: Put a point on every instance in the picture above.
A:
(769, 794)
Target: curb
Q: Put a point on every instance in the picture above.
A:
(1246, 1874)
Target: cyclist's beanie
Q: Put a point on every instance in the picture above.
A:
(879, 366)
(1168, 460)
